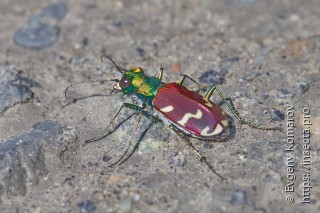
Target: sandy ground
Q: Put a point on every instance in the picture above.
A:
(263, 54)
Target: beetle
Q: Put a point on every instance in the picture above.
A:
(181, 109)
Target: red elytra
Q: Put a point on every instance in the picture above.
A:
(191, 112)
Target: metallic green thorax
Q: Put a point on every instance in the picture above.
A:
(143, 86)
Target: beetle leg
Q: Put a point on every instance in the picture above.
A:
(234, 111)
(134, 107)
(183, 77)
(160, 74)
(202, 157)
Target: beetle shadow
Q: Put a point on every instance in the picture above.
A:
(112, 131)
(136, 146)
(231, 123)
(232, 128)
(232, 132)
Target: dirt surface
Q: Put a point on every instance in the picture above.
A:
(264, 55)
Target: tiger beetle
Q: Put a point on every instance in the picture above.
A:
(185, 112)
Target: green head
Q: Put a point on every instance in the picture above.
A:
(131, 80)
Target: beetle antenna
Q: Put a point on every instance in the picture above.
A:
(114, 63)
(83, 82)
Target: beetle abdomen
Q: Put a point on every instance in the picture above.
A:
(190, 111)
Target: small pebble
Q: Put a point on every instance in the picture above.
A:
(36, 33)
(264, 95)
(140, 51)
(280, 74)
(56, 11)
(301, 87)
(117, 23)
(238, 94)
(231, 60)
(210, 77)
(239, 197)
(119, 5)
(77, 60)
(87, 206)
(176, 67)
(14, 88)
(106, 158)
(115, 178)
(276, 115)
(178, 159)
(208, 145)
(284, 93)
(85, 42)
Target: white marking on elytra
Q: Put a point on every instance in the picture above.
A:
(224, 123)
(189, 115)
(208, 103)
(167, 109)
(216, 131)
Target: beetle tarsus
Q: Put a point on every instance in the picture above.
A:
(204, 159)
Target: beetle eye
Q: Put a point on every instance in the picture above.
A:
(125, 82)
